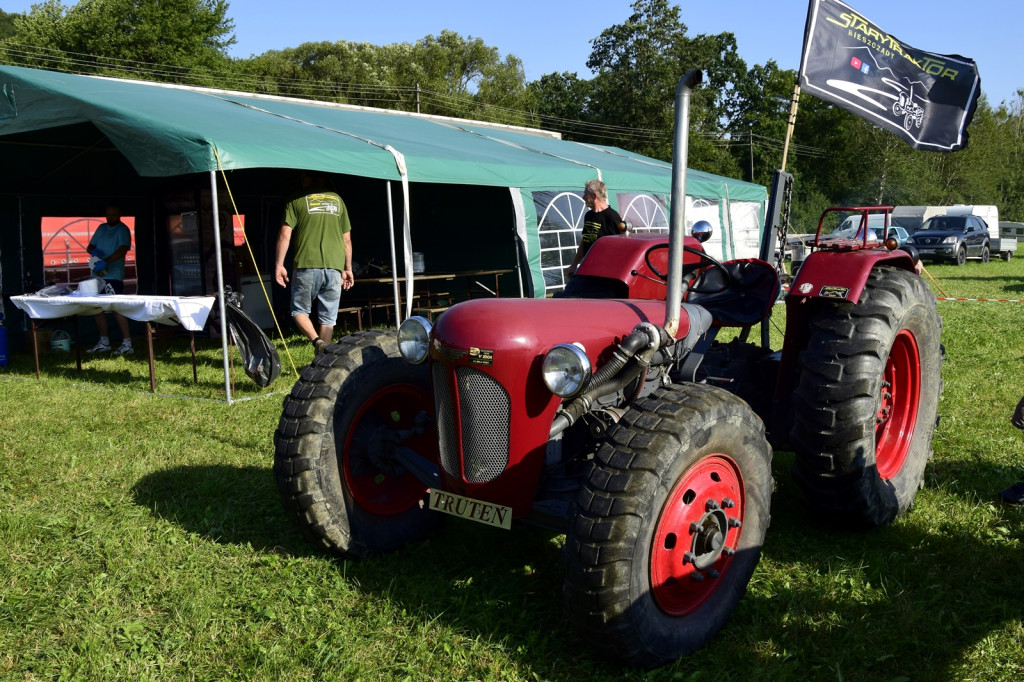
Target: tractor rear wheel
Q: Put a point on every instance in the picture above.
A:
(334, 447)
(668, 526)
(866, 404)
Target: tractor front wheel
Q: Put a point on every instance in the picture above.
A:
(866, 404)
(334, 456)
(667, 529)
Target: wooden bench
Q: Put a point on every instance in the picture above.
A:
(353, 310)
(430, 312)
(432, 304)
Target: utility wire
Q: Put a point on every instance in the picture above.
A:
(366, 94)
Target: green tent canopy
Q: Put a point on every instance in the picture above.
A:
(167, 130)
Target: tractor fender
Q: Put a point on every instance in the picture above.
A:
(842, 274)
(824, 276)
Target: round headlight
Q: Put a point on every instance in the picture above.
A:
(566, 370)
(414, 339)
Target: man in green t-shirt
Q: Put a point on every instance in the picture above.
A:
(317, 219)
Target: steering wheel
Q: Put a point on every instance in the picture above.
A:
(724, 276)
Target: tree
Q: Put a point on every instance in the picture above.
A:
(6, 25)
(446, 75)
(140, 37)
(562, 101)
(1010, 121)
(638, 64)
(466, 77)
(356, 73)
(758, 128)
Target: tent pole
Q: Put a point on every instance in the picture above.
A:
(727, 221)
(21, 259)
(21, 243)
(519, 264)
(394, 262)
(520, 224)
(407, 246)
(403, 172)
(220, 285)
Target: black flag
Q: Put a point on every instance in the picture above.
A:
(926, 98)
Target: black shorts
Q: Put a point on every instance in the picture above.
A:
(116, 284)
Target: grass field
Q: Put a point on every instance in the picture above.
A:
(143, 539)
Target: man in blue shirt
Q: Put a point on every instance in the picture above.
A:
(107, 248)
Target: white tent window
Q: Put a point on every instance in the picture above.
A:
(647, 212)
(559, 226)
(748, 239)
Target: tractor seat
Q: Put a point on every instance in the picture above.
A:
(591, 286)
(753, 288)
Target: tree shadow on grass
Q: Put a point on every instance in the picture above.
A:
(906, 601)
(503, 586)
(943, 590)
(226, 504)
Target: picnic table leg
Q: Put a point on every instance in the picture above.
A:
(192, 347)
(35, 348)
(149, 345)
(78, 348)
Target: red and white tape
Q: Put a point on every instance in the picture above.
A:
(983, 300)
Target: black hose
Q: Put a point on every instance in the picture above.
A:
(608, 379)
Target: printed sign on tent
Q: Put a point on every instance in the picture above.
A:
(928, 99)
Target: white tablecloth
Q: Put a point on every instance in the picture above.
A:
(188, 311)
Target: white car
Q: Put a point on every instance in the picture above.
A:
(874, 233)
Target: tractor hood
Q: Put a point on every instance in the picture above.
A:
(511, 333)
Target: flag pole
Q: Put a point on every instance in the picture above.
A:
(794, 105)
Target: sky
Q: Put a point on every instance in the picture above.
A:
(552, 36)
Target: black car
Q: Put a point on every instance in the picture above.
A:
(952, 237)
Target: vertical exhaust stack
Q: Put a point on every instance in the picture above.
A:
(677, 224)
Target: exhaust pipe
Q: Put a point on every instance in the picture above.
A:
(677, 224)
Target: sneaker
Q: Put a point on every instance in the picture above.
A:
(123, 349)
(319, 347)
(1014, 494)
(100, 347)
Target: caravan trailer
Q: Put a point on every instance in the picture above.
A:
(911, 217)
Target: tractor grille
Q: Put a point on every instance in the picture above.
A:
(445, 420)
(483, 420)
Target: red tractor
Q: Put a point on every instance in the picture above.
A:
(613, 415)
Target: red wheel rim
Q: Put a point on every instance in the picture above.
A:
(897, 411)
(375, 490)
(697, 535)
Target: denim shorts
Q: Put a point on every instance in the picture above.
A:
(324, 284)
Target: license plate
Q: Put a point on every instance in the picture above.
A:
(467, 508)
